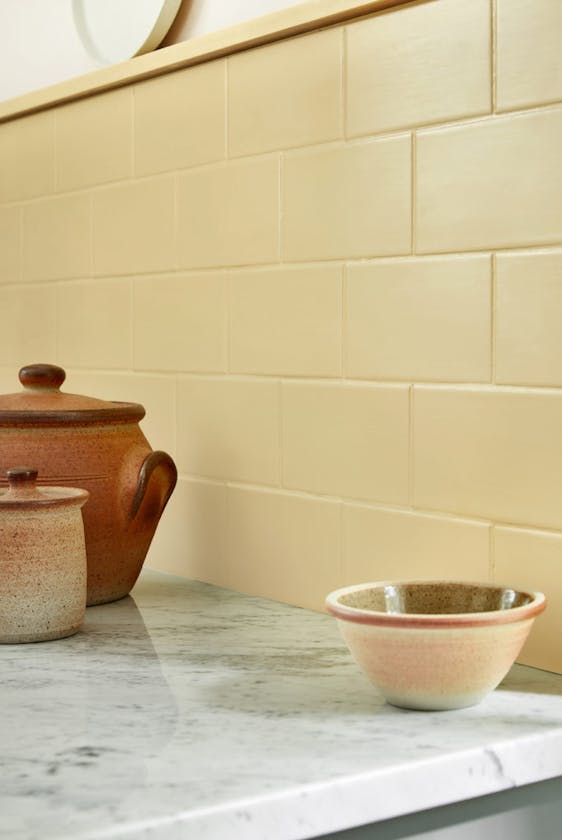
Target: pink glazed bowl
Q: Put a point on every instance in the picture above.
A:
(434, 645)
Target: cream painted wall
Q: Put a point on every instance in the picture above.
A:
(39, 45)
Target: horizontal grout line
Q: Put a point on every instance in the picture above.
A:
(430, 513)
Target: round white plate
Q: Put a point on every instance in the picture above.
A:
(115, 30)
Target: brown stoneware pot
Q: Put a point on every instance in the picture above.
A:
(42, 560)
(97, 445)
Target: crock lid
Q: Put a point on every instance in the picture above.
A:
(42, 403)
(23, 493)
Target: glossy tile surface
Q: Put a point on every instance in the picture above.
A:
(118, 730)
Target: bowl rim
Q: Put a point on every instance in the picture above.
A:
(445, 621)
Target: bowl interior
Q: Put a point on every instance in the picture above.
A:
(434, 598)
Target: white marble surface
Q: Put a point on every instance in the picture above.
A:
(188, 711)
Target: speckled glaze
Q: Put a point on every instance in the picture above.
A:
(434, 645)
(97, 445)
(42, 560)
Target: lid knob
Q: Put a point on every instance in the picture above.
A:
(22, 482)
(49, 377)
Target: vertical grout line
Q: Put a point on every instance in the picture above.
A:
(56, 287)
(21, 211)
(133, 162)
(343, 323)
(411, 446)
(55, 152)
(175, 199)
(342, 552)
(493, 319)
(228, 319)
(280, 208)
(91, 232)
(493, 54)
(413, 196)
(132, 306)
(492, 553)
(226, 110)
(281, 462)
(343, 83)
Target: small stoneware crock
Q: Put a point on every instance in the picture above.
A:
(42, 560)
(97, 445)
(434, 644)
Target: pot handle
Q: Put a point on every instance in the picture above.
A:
(156, 482)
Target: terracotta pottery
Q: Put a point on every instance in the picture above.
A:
(434, 644)
(97, 445)
(42, 560)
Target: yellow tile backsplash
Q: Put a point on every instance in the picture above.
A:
(330, 268)
(421, 63)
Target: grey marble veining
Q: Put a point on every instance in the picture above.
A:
(190, 711)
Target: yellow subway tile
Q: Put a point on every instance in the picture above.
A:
(285, 94)
(27, 152)
(492, 453)
(94, 140)
(389, 545)
(423, 318)
(423, 63)
(180, 119)
(347, 201)
(9, 244)
(529, 54)
(286, 320)
(229, 214)
(528, 317)
(57, 238)
(156, 393)
(495, 183)
(283, 547)
(28, 326)
(134, 227)
(229, 429)
(94, 323)
(347, 440)
(191, 538)
(532, 560)
(180, 322)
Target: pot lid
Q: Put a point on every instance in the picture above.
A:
(41, 402)
(23, 493)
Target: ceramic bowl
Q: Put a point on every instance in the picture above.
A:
(434, 644)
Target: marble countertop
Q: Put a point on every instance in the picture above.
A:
(190, 710)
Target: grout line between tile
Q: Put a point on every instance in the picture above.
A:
(411, 446)
(342, 545)
(133, 161)
(280, 209)
(344, 323)
(343, 84)
(492, 552)
(228, 321)
(281, 439)
(493, 54)
(413, 196)
(493, 324)
(226, 110)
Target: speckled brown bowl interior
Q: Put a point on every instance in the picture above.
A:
(434, 598)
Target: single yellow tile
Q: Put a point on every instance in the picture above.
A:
(28, 327)
(283, 547)
(94, 140)
(180, 322)
(487, 452)
(229, 429)
(419, 64)
(286, 320)
(347, 440)
(191, 538)
(528, 318)
(495, 183)
(529, 54)
(134, 227)
(156, 393)
(94, 324)
(423, 318)
(532, 560)
(229, 214)
(347, 200)
(391, 545)
(180, 119)
(27, 152)
(9, 244)
(285, 94)
(57, 238)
